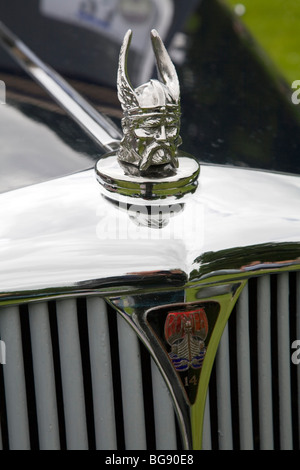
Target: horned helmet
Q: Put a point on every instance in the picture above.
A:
(151, 119)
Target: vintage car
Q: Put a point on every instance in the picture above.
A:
(146, 310)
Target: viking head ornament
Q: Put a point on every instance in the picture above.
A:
(151, 113)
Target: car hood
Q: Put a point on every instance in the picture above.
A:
(63, 236)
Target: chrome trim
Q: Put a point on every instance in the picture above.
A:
(114, 183)
(98, 126)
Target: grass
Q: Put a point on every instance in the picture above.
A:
(276, 27)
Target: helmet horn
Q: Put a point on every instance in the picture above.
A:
(166, 69)
(126, 93)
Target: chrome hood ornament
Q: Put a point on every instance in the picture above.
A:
(147, 163)
(151, 120)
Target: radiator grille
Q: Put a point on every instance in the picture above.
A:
(254, 383)
(76, 377)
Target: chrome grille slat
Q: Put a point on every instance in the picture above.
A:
(44, 377)
(132, 387)
(14, 379)
(163, 413)
(244, 372)
(101, 370)
(224, 393)
(72, 376)
(206, 440)
(284, 362)
(264, 351)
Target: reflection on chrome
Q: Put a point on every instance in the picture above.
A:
(155, 216)
(244, 217)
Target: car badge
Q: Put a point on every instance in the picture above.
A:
(148, 164)
(185, 332)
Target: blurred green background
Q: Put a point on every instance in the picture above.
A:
(275, 24)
